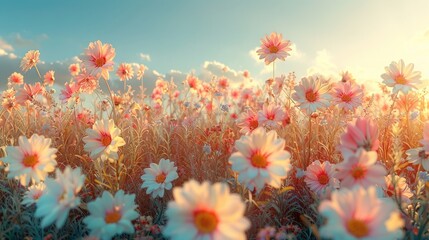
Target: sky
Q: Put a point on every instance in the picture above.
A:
(174, 38)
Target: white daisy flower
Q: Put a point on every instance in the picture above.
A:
(400, 77)
(31, 160)
(205, 211)
(111, 215)
(103, 140)
(159, 177)
(33, 194)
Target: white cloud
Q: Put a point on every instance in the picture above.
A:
(145, 57)
(323, 64)
(5, 46)
(2, 52)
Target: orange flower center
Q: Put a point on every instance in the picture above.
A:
(323, 178)
(401, 80)
(357, 228)
(274, 49)
(113, 216)
(106, 139)
(358, 172)
(311, 96)
(99, 62)
(160, 178)
(258, 160)
(30, 160)
(346, 98)
(205, 221)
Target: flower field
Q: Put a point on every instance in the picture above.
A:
(306, 157)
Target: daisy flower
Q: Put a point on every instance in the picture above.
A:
(274, 47)
(247, 122)
(361, 169)
(360, 214)
(279, 84)
(61, 195)
(87, 82)
(311, 94)
(363, 133)
(30, 60)
(140, 72)
(49, 78)
(320, 176)
(111, 215)
(400, 77)
(16, 78)
(418, 156)
(125, 71)
(98, 59)
(74, 69)
(33, 194)
(260, 159)
(271, 116)
(28, 92)
(103, 140)
(347, 96)
(402, 189)
(159, 177)
(32, 159)
(205, 211)
(69, 91)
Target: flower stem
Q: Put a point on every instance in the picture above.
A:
(111, 98)
(38, 73)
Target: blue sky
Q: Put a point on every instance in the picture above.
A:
(329, 36)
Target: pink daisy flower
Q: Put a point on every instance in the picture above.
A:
(312, 94)
(247, 122)
(360, 214)
(223, 83)
(274, 47)
(347, 96)
(402, 190)
(260, 159)
(363, 133)
(28, 92)
(98, 59)
(67, 93)
(271, 116)
(125, 71)
(49, 78)
(87, 82)
(74, 69)
(30, 60)
(16, 78)
(320, 176)
(279, 84)
(400, 77)
(361, 169)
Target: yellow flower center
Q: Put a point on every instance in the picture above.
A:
(311, 96)
(400, 79)
(160, 178)
(357, 228)
(205, 221)
(358, 172)
(258, 160)
(99, 62)
(323, 178)
(274, 49)
(106, 139)
(30, 160)
(113, 216)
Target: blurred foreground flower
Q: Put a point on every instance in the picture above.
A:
(159, 177)
(205, 211)
(31, 160)
(103, 140)
(61, 196)
(111, 215)
(260, 159)
(360, 214)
